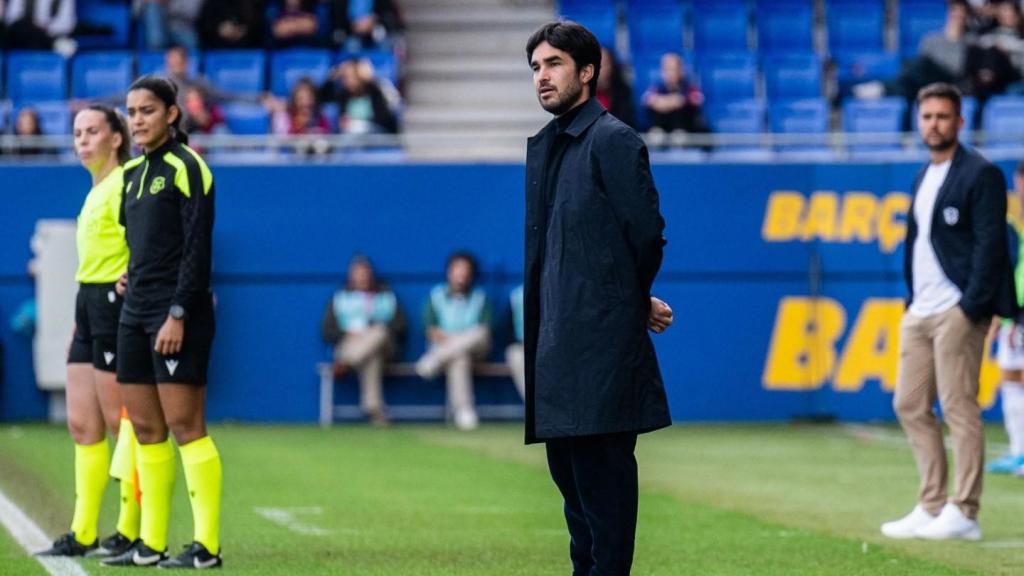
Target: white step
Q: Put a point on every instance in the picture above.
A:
(452, 92)
(506, 69)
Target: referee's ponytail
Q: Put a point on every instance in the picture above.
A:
(167, 92)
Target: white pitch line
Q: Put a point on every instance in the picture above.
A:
(888, 436)
(28, 534)
(288, 518)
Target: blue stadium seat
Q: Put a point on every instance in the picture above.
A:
(246, 118)
(737, 117)
(918, 18)
(884, 115)
(54, 116)
(720, 27)
(153, 63)
(101, 74)
(111, 19)
(289, 66)
(791, 76)
(1004, 120)
(385, 63)
(655, 27)
(855, 27)
(785, 26)
(3, 77)
(727, 77)
(860, 67)
(236, 71)
(601, 18)
(36, 77)
(807, 116)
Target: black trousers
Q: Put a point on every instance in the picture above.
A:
(598, 480)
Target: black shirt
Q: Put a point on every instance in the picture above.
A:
(168, 217)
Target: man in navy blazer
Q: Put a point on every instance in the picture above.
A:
(957, 267)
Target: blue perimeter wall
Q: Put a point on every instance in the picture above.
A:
(283, 236)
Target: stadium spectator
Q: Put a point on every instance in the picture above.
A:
(674, 104)
(996, 60)
(958, 273)
(363, 322)
(301, 114)
(457, 316)
(40, 24)
(613, 91)
(177, 65)
(365, 23)
(169, 22)
(296, 24)
(201, 115)
(514, 354)
(363, 106)
(27, 124)
(1010, 355)
(227, 24)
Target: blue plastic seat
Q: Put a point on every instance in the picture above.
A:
(727, 77)
(1004, 121)
(385, 64)
(36, 77)
(737, 117)
(655, 28)
(287, 67)
(54, 116)
(806, 116)
(112, 16)
(720, 27)
(153, 63)
(101, 74)
(860, 67)
(785, 26)
(236, 71)
(855, 27)
(884, 115)
(917, 19)
(246, 118)
(791, 76)
(601, 18)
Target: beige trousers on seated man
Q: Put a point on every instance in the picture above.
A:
(455, 356)
(366, 351)
(941, 356)
(515, 357)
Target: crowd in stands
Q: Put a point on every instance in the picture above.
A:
(288, 67)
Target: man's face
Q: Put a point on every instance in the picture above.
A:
(176, 62)
(939, 124)
(671, 69)
(460, 275)
(559, 85)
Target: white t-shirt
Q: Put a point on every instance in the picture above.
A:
(934, 293)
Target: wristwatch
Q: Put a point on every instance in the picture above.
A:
(177, 312)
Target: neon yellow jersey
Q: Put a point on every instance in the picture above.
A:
(102, 248)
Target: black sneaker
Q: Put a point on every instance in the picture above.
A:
(66, 545)
(113, 545)
(138, 554)
(195, 556)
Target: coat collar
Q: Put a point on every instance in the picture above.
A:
(591, 111)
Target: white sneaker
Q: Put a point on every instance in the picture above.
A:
(905, 527)
(950, 525)
(466, 419)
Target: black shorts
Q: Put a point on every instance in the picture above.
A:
(139, 363)
(97, 314)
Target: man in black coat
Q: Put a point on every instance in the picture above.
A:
(957, 267)
(593, 248)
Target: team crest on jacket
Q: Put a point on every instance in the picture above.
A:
(951, 215)
(157, 185)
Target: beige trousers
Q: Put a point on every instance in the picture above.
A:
(366, 351)
(515, 357)
(455, 356)
(940, 357)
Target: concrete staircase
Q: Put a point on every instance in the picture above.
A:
(468, 87)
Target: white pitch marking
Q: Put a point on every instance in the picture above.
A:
(288, 518)
(28, 534)
(1003, 544)
(887, 436)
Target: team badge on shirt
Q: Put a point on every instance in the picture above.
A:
(157, 185)
(951, 215)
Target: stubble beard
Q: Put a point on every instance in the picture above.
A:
(944, 144)
(566, 100)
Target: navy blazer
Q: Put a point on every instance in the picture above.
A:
(969, 236)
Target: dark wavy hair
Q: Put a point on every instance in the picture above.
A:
(574, 39)
(118, 123)
(167, 92)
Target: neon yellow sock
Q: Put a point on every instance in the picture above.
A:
(91, 465)
(131, 513)
(156, 479)
(203, 477)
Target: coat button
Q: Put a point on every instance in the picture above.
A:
(534, 228)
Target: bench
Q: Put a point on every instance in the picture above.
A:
(328, 411)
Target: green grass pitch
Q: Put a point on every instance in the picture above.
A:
(427, 500)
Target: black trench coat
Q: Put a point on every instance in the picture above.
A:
(590, 364)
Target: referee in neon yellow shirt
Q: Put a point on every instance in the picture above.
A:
(93, 394)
